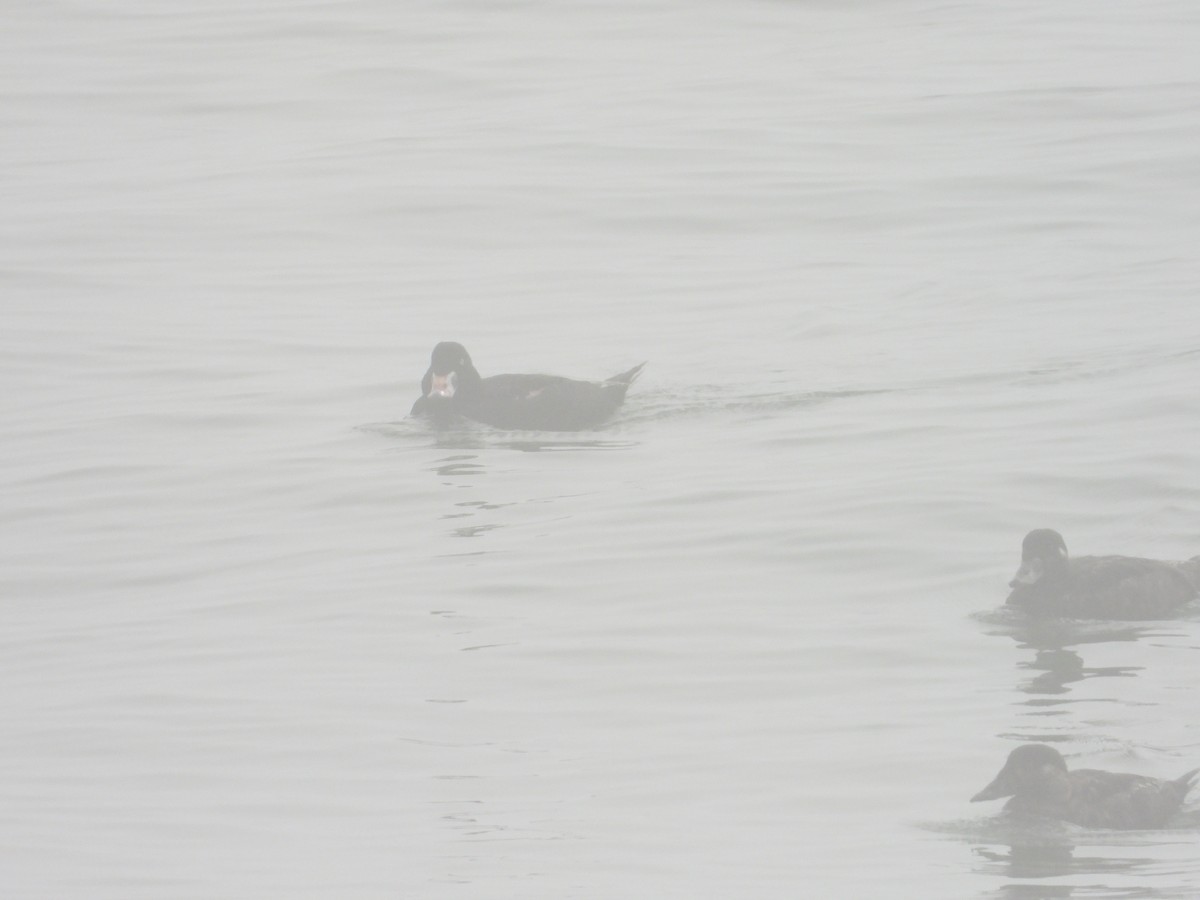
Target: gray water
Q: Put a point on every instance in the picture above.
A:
(911, 278)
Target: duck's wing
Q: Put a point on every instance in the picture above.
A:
(545, 402)
(1117, 800)
(522, 388)
(1126, 587)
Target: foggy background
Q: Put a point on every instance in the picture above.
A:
(912, 278)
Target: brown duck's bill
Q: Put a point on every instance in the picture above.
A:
(994, 791)
(1028, 573)
(443, 385)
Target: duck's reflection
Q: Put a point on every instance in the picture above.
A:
(466, 470)
(1053, 860)
(1058, 668)
(1058, 647)
(471, 441)
(458, 434)
(1030, 861)
(560, 446)
(455, 466)
(1055, 633)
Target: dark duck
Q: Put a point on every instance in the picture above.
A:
(453, 387)
(1051, 583)
(1037, 779)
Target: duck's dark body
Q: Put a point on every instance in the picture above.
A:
(452, 387)
(1051, 583)
(1037, 779)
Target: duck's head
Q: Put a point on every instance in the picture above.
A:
(450, 369)
(1031, 770)
(1043, 552)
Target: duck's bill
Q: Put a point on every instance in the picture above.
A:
(994, 791)
(443, 385)
(1029, 573)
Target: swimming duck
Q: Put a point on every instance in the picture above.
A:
(1036, 778)
(1049, 582)
(452, 386)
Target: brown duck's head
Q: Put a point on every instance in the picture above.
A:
(450, 372)
(1030, 770)
(1043, 553)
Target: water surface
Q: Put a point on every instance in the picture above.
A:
(912, 279)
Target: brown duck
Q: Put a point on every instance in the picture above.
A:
(1050, 582)
(1037, 779)
(453, 387)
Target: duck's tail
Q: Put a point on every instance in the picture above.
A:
(1186, 781)
(627, 378)
(1191, 570)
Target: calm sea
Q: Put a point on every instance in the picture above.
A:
(912, 278)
